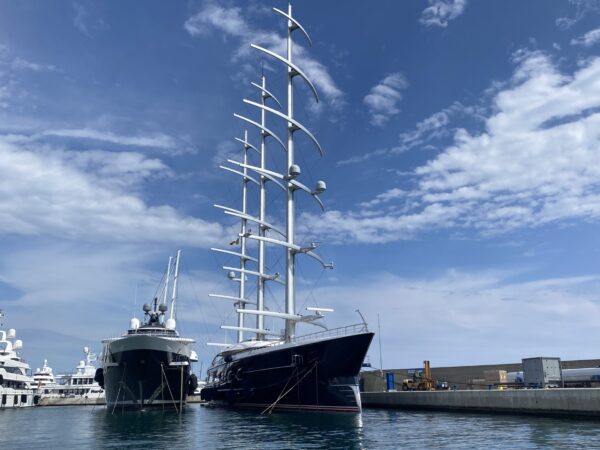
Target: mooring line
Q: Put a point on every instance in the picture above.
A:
(271, 407)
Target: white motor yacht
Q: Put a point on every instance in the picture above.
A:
(15, 381)
(79, 383)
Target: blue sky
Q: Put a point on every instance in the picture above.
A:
(461, 157)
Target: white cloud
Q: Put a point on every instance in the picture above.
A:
(588, 39)
(391, 194)
(155, 140)
(227, 150)
(230, 23)
(86, 18)
(11, 91)
(229, 20)
(9, 61)
(21, 64)
(582, 8)
(84, 196)
(430, 126)
(537, 162)
(383, 98)
(484, 317)
(440, 12)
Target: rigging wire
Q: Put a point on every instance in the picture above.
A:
(310, 293)
(196, 297)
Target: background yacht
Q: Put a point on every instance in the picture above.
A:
(79, 383)
(15, 381)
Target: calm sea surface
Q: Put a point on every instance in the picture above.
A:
(201, 427)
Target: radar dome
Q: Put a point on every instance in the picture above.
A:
(86, 350)
(170, 324)
(18, 344)
(147, 307)
(12, 333)
(134, 323)
(162, 308)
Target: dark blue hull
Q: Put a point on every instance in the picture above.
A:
(139, 379)
(320, 376)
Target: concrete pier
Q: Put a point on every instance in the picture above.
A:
(70, 401)
(558, 402)
(80, 401)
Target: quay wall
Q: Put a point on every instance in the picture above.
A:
(458, 376)
(79, 401)
(559, 402)
(66, 401)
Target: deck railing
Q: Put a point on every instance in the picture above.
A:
(341, 331)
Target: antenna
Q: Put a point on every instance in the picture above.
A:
(379, 336)
(175, 279)
(135, 298)
(167, 280)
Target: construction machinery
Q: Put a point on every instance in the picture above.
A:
(421, 379)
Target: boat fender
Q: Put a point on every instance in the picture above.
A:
(192, 384)
(239, 374)
(1, 380)
(99, 377)
(230, 376)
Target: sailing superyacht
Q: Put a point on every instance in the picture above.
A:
(280, 370)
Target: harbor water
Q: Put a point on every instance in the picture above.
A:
(202, 427)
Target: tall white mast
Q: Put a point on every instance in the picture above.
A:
(243, 260)
(290, 259)
(260, 291)
(175, 280)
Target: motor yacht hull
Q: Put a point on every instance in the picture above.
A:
(142, 371)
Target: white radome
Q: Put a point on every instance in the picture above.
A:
(170, 324)
(134, 323)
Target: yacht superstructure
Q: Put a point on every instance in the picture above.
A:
(43, 377)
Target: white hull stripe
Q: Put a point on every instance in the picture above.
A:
(352, 409)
